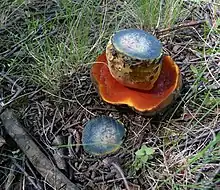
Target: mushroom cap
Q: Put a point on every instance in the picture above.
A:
(165, 90)
(102, 135)
(137, 44)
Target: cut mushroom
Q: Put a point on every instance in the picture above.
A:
(165, 90)
(102, 135)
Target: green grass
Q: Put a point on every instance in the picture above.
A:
(157, 14)
(53, 42)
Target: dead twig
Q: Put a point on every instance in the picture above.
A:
(112, 162)
(39, 160)
(19, 89)
(16, 47)
(36, 186)
(198, 138)
(180, 26)
(10, 177)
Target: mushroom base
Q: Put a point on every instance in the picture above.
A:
(165, 90)
(137, 74)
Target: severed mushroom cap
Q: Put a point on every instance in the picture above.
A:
(137, 44)
(102, 135)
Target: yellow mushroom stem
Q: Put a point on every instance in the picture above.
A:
(130, 72)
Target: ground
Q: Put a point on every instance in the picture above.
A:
(46, 52)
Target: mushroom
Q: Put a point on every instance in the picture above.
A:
(134, 58)
(102, 135)
(164, 91)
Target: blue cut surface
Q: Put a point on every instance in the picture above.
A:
(102, 135)
(137, 44)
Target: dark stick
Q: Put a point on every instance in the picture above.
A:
(36, 186)
(19, 89)
(184, 25)
(42, 164)
(110, 161)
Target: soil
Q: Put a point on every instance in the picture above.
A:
(59, 118)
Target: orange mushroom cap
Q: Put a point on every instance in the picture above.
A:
(165, 89)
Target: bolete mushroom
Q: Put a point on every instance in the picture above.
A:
(134, 58)
(102, 135)
(164, 91)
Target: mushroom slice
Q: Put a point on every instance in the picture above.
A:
(102, 135)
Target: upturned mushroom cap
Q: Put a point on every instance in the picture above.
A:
(165, 90)
(102, 135)
(137, 44)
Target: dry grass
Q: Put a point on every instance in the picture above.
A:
(47, 48)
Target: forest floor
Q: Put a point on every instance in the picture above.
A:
(46, 52)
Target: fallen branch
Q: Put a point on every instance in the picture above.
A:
(110, 161)
(19, 90)
(39, 160)
(36, 186)
(180, 26)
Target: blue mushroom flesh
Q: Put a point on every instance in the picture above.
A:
(137, 44)
(102, 135)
